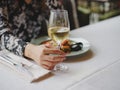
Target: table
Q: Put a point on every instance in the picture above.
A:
(89, 71)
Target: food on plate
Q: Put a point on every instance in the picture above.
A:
(76, 46)
(67, 45)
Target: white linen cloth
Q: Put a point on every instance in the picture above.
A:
(25, 68)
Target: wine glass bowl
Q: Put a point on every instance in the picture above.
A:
(58, 27)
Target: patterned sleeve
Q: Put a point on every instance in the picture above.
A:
(8, 41)
(54, 4)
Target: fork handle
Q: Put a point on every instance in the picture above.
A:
(7, 61)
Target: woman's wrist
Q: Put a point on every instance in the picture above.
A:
(28, 50)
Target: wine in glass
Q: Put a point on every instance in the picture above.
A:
(58, 30)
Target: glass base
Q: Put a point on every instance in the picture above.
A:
(60, 68)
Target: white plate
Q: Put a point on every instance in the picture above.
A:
(85, 48)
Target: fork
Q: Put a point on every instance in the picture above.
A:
(19, 66)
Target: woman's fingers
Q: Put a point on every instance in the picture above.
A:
(48, 45)
(49, 61)
(53, 58)
(53, 51)
(48, 65)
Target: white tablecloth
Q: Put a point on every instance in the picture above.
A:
(105, 79)
(104, 52)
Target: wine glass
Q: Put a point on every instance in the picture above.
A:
(58, 31)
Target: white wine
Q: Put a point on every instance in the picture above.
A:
(58, 34)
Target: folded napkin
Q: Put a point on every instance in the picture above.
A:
(25, 68)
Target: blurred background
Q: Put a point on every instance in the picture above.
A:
(85, 12)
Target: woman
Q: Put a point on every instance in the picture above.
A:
(23, 20)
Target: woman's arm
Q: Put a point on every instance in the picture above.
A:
(8, 41)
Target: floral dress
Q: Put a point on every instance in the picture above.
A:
(20, 22)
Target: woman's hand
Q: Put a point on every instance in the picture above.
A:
(45, 55)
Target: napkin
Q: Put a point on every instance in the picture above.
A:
(25, 68)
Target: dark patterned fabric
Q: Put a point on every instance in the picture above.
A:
(20, 22)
